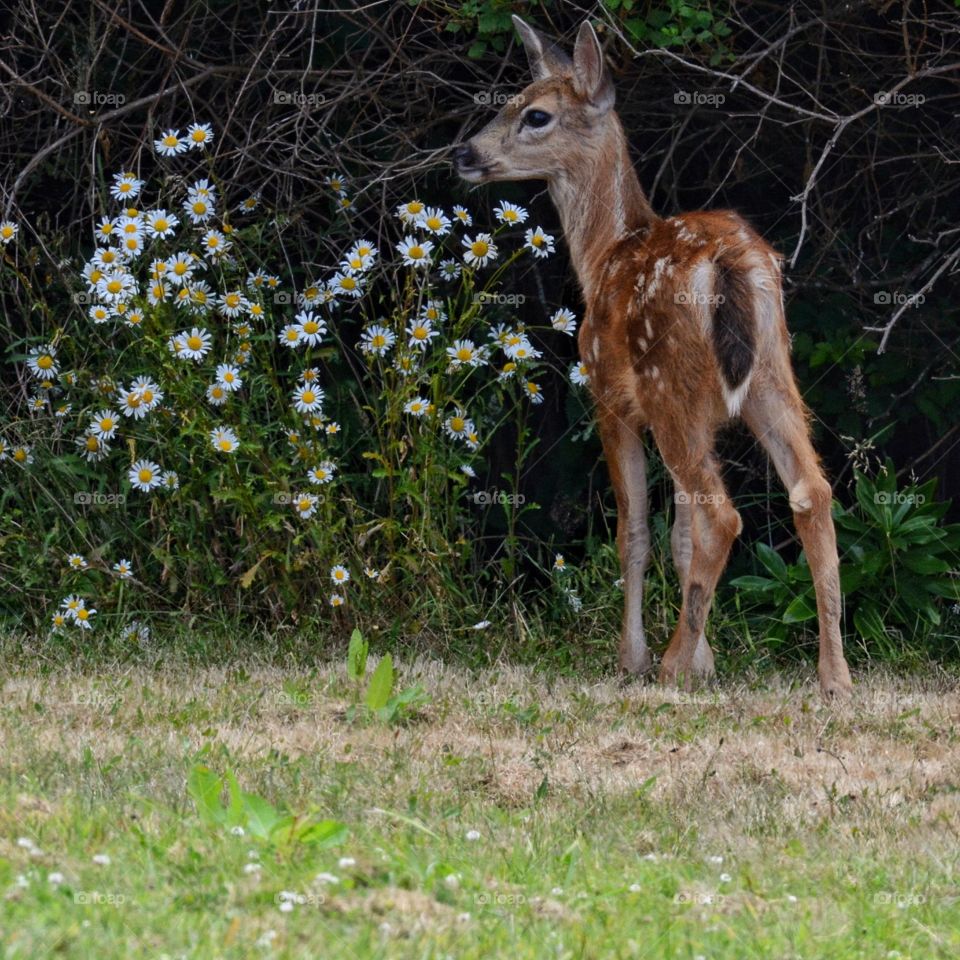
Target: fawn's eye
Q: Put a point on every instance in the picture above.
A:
(537, 118)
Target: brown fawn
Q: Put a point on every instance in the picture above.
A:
(684, 329)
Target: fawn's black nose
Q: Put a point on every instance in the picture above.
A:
(463, 156)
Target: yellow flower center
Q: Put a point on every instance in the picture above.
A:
(194, 343)
(170, 140)
(226, 445)
(145, 475)
(45, 362)
(161, 224)
(464, 353)
(415, 207)
(199, 207)
(198, 136)
(311, 326)
(106, 424)
(479, 248)
(92, 444)
(308, 396)
(415, 252)
(457, 424)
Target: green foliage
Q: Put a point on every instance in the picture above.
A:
(255, 816)
(898, 567)
(380, 701)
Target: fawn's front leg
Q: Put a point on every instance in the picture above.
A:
(627, 463)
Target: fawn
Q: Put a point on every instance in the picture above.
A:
(684, 329)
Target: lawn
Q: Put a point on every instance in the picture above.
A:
(516, 814)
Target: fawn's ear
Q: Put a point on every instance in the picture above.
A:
(590, 79)
(546, 58)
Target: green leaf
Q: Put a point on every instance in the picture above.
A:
(798, 611)
(772, 561)
(326, 833)
(381, 683)
(357, 656)
(262, 816)
(205, 787)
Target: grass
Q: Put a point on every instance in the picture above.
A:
(519, 814)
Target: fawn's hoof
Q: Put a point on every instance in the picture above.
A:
(835, 683)
(636, 662)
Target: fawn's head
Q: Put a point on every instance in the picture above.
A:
(551, 126)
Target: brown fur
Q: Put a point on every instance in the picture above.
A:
(684, 328)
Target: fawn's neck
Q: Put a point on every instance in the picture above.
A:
(599, 201)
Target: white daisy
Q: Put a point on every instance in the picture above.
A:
(105, 424)
(377, 340)
(228, 376)
(42, 362)
(415, 253)
(199, 135)
(160, 223)
(307, 398)
(417, 406)
(435, 221)
(510, 213)
(539, 243)
(565, 321)
(125, 186)
(305, 504)
(8, 230)
(322, 473)
(411, 213)
(144, 475)
(224, 440)
(578, 374)
(339, 574)
(420, 334)
(196, 343)
(123, 569)
(480, 251)
(464, 353)
(311, 328)
(170, 144)
(463, 215)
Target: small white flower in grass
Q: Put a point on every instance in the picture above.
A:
(307, 398)
(635, 888)
(25, 843)
(101, 859)
(618, 583)
(228, 376)
(224, 440)
(452, 880)
(249, 868)
(98, 313)
(305, 504)
(411, 213)
(160, 223)
(482, 625)
(291, 336)
(196, 343)
(199, 135)
(22, 454)
(556, 892)
(414, 252)
(576, 604)
(8, 230)
(104, 424)
(125, 186)
(450, 269)
(463, 215)
(540, 244)
(42, 362)
(467, 470)
(170, 480)
(123, 569)
(565, 321)
(339, 574)
(311, 327)
(371, 573)
(579, 375)
(336, 600)
(463, 917)
(132, 405)
(326, 878)
(435, 221)
(420, 333)
(144, 475)
(479, 251)
(286, 906)
(510, 213)
(652, 857)
(238, 831)
(791, 898)
(345, 863)
(534, 392)
(217, 394)
(559, 562)
(472, 835)
(170, 144)
(55, 878)
(58, 620)
(715, 859)
(321, 473)
(337, 182)
(249, 204)
(150, 392)
(725, 878)
(377, 340)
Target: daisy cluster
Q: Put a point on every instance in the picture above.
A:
(171, 276)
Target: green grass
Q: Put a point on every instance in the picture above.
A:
(601, 808)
